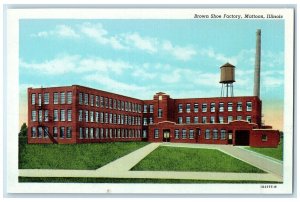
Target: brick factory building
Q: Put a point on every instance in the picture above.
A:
(77, 114)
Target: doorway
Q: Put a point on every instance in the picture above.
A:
(229, 137)
(242, 137)
(166, 137)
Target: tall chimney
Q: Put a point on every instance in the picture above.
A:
(257, 64)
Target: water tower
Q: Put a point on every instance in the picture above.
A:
(227, 79)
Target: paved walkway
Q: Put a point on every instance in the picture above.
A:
(120, 168)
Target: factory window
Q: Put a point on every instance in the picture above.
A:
(221, 119)
(69, 115)
(62, 132)
(196, 119)
(55, 115)
(204, 107)
(106, 102)
(69, 97)
(207, 134)
(101, 133)
(80, 98)
(239, 118)
(212, 107)
(118, 104)
(129, 106)
(55, 98)
(97, 133)
(86, 133)
(110, 117)
(55, 132)
(191, 135)
(101, 117)
(150, 120)
(179, 108)
(188, 108)
(110, 133)
(122, 119)
(221, 107)
(248, 118)
(119, 119)
(119, 133)
(199, 132)
(249, 106)
(204, 119)
(81, 133)
(115, 104)
(40, 99)
(126, 106)
(229, 106)
(33, 98)
(97, 101)
(62, 115)
(215, 134)
(239, 107)
(40, 132)
(151, 108)
(106, 132)
(46, 115)
(264, 138)
(86, 115)
(183, 134)
(229, 119)
(180, 120)
(129, 120)
(160, 113)
(106, 117)
(46, 132)
(101, 102)
(62, 98)
(97, 117)
(33, 115)
(92, 133)
(176, 134)
(69, 132)
(33, 132)
(40, 115)
(86, 99)
(196, 107)
(46, 98)
(122, 105)
(144, 133)
(80, 115)
(223, 134)
(156, 135)
(92, 100)
(187, 119)
(145, 109)
(212, 119)
(125, 122)
(110, 103)
(91, 116)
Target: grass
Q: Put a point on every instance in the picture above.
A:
(190, 159)
(276, 153)
(127, 180)
(72, 156)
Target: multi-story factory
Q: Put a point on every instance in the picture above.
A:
(77, 114)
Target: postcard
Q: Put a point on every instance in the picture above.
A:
(149, 100)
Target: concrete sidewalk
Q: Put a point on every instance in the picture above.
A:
(120, 168)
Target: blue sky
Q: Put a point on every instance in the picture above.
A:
(141, 57)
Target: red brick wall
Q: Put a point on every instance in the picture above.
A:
(272, 140)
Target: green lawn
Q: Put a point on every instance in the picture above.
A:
(276, 153)
(126, 180)
(190, 159)
(72, 156)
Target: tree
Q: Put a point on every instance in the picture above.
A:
(23, 131)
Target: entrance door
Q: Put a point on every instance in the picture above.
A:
(229, 137)
(166, 137)
(242, 137)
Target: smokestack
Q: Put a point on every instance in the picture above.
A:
(257, 64)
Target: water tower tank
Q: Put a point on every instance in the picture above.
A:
(227, 73)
